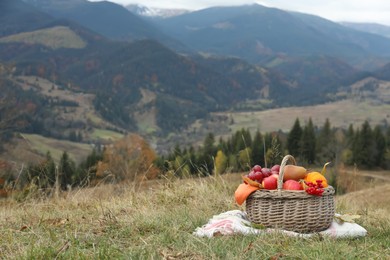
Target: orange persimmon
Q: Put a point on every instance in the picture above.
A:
(314, 176)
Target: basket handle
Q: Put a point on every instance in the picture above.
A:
(286, 159)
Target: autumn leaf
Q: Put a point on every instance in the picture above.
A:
(346, 218)
(250, 182)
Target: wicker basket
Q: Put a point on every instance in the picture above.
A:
(291, 210)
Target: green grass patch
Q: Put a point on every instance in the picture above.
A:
(107, 135)
(41, 144)
(55, 38)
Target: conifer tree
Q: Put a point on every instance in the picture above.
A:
(208, 153)
(258, 149)
(326, 144)
(239, 141)
(350, 135)
(308, 143)
(50, 169)
(192, 162)
(294, 139)
(380, 146)
(67, 169)
(363, 148)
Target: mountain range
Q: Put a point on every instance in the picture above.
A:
(156, 76)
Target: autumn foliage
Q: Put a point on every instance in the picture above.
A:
(130, 158)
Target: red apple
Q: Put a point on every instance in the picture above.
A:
(292, 185)
(259, 177)
(256, 168)
(270, 183)
(276, 168)
(256, 176)
(266, 172)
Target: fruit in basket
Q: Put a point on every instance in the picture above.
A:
(314, 177)
(292, 185)
(275, 168)
(266, 172)
(293, 172)
(256, 168)
(270, 183)
(256, 176)
(314, 188)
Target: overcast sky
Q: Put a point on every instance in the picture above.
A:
(337, 10)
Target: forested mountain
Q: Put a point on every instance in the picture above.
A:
(106, 18)
(383, 73)
(375, 28)
(16, 16)
(246, 58)
(257, 34)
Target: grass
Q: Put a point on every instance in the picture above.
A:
(76, 151)
(340, 114)
(155, 220)
(55, 38)
(107, 135)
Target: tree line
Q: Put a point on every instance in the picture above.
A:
(132, 159)
(365, 147)
(128, 159)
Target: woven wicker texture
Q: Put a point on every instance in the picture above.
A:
(291, 210)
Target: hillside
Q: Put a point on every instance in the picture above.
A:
(178, 83)
(54, 38)
(17, 16)
(70, 76)
(257, 33)
(374, 28)
(106, 18)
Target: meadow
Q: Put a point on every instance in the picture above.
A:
(156, 220)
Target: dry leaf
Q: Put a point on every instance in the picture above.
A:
(346, 218)
(250, 182)
(23, 228)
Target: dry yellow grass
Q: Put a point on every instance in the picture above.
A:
(340, 114)
(155, 220)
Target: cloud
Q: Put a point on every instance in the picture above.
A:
(336, 10)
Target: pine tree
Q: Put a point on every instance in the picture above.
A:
(258, 149)
(308, 143)
(363, 148)
(350, 135)
(67, 169)
(239, 141)
(326, 144)
(294, 139)
(192, 162)
(380, 146)
(208, 153)
(50, 169)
